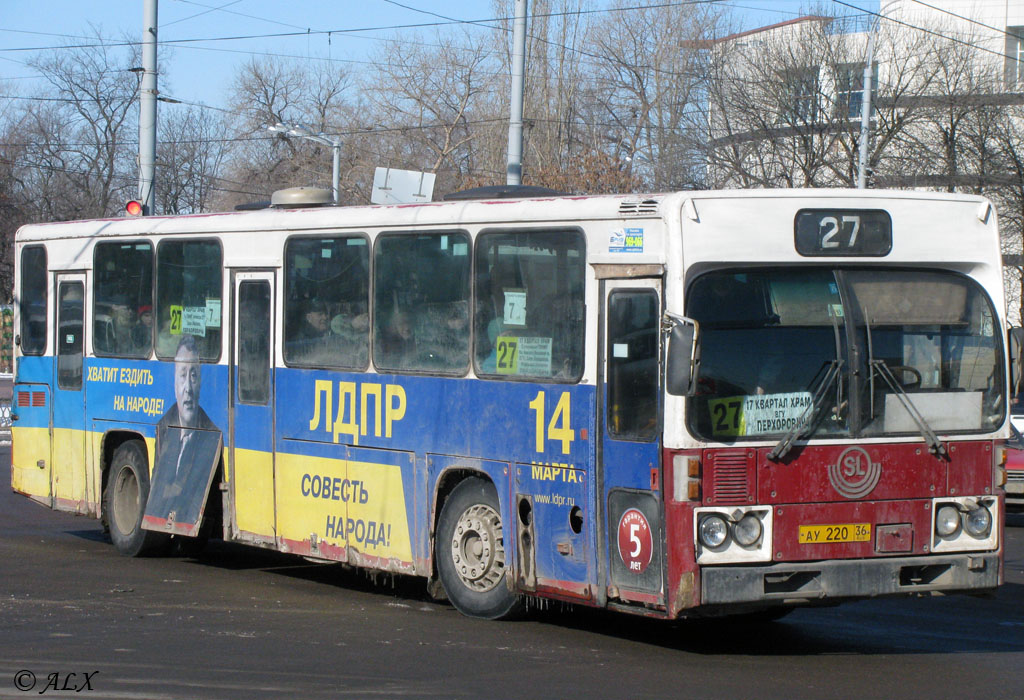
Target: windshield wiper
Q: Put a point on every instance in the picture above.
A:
(935, 446)
(806, 418)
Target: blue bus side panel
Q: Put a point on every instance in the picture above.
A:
(333, 423)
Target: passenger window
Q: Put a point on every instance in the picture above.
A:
(421, 303)
(188, 297)
(123, 299)
(529, 319)
(633, 364)
(33, 300)
(327, 294)
(254, 342)
(70, 317)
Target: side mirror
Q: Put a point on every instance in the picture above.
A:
(1015, 343)
(682, 354)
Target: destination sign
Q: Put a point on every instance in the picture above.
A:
(843, 232)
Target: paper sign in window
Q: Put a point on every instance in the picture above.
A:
(193, 320)
(515, 307)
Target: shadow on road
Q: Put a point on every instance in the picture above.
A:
(879, 627)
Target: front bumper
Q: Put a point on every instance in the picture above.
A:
(808, 582)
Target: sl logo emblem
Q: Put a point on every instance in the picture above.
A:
(854, 475)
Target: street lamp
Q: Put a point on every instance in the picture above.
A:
(304, 132)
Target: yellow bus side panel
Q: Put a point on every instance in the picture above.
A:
(69, 471)
(29, 447)
(254, 492)
(358, 505)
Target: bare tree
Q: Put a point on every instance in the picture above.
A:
(85, 134)
(191, 148)
(652, 72)
(430, 97)
(267, 91)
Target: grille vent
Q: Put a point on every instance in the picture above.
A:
(730, 477)
(31, 398)
(638, 207)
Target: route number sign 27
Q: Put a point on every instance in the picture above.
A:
(843, 232)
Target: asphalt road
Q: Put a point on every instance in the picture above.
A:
(243, 623)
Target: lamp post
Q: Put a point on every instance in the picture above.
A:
(304, 132)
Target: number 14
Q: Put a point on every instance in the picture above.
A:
(558, 427)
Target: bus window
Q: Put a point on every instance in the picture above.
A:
(254, 342)
(327, 302)
(769, 339)
(633, 364)
(123, 299)
(70, 297)
(421, 303)
(33, 300)
(188, 297)
(530, 304)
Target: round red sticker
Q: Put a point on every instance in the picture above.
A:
(635, 542)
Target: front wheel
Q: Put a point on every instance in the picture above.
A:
(125, 502)
(470, 551)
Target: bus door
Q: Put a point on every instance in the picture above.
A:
(252, 408)
(68, 474)
(629, 469)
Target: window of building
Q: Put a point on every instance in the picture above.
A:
(802, 99)
(33, 300)
(529, 319)
(123, 299)
(850, 89)
(1014, 58)
(327, 298)
(188, 297)
(421, 302)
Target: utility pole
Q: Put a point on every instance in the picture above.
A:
(865, 114)
(147, 110)
(515, 128)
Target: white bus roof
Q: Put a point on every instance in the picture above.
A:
(567, 208)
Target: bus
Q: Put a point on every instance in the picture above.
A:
(672, 405)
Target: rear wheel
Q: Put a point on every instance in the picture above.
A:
(470, 551)
(125, 502)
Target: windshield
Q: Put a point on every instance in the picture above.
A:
(782, 347)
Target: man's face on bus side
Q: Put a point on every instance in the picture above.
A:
(186, 385)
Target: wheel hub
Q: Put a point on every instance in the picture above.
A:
(477, 548)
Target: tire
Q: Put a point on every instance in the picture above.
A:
(124, 502)
(470, 552)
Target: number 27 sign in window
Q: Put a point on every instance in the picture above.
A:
(843, 232)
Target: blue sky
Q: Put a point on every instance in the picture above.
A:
(201, 71)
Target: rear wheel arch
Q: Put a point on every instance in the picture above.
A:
(471, 561)
(108, 446)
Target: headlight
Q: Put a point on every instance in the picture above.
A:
(713, 531)
(748, 530)
(978, 521)
(947, 521)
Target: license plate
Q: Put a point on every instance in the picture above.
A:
(827, 534)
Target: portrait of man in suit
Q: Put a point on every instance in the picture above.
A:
(188, 445)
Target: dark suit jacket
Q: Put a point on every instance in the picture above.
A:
(180, 485)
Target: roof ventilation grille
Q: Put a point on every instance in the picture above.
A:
(638, 207)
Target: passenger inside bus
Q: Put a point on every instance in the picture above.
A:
(398, 344)
(314, 321)
(142, 332)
